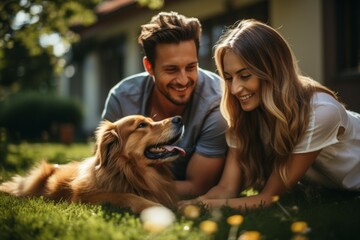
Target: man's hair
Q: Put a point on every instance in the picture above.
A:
(168, 27)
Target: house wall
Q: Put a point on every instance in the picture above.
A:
(201, 9)
(298, 20)
(91, 86)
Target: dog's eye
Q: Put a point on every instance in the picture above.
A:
(142, 125)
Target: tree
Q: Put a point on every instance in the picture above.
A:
(152, 4)
(31, 32)
(35, 33)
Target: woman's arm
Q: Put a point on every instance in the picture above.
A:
(229, 184)
(296, 168)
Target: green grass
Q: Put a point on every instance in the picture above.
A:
(329, 214)
(21, 157)
(39, 219)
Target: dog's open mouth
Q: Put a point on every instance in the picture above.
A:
(165, 150)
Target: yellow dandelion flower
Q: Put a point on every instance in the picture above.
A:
(235, 220)
(250, 235)
(299, 237)
(208, 226)
(275, 198)
(191, 211)
(299, 227)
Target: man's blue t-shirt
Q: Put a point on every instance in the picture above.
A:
(204, 125)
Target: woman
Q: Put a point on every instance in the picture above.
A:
(283, 126)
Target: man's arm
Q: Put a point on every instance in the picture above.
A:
(202, 174)
(112, 109)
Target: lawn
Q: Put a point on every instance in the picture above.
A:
(326, 214)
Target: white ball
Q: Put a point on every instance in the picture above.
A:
(156, 218)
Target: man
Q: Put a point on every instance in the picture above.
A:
(173, 84)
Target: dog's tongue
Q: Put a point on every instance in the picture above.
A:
(172, 148)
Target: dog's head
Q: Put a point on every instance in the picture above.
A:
(136, 137)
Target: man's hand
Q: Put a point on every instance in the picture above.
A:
(202, 174)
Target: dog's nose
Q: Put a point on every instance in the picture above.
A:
(177, 120)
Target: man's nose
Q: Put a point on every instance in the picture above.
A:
(182, 78)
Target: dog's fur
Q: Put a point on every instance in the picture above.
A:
(130, 168)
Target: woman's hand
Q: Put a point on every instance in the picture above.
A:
(195, 201)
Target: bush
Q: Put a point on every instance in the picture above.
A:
(32, 116)
(3, 145)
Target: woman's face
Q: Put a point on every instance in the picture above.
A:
(241, 82)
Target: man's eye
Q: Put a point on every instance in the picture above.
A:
(171, 70)
(142, 125)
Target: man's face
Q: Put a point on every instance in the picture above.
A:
(175, 71)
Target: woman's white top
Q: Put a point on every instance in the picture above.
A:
(338, 164)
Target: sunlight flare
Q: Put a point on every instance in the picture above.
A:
(155, 219)
(299, 227)
(250, 235)
(191, 211)
(235, 220)
(209, 227)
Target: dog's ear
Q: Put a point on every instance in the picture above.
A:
(107, 142)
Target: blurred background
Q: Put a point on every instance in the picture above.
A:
(59, 58)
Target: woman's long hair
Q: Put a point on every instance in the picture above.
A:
(285, 94)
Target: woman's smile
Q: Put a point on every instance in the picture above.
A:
(245, 97)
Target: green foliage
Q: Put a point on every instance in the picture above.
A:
(43, 17)
(22, 71)
(20, 157)
(152, 4)
(26, 61)
(3, 144)
(330, 215)
(30, 115)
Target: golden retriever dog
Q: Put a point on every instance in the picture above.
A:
(130, 168)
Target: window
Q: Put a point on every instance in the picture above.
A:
(348, 26)
(342, 40)
(214, 27)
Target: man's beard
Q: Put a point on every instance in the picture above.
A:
(175, 102)
(168, 96)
